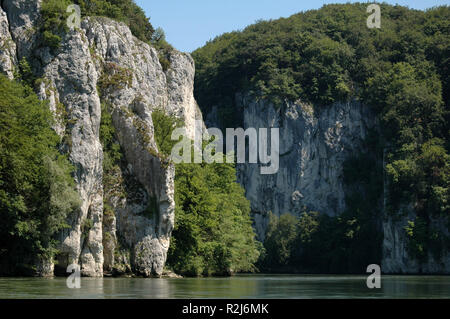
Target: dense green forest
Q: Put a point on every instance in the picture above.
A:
(401, 71)
(213, 233)
(37, 191)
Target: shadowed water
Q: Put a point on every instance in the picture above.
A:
(242, 286)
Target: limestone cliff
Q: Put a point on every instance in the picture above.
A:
(395, 247)
(103, 63)
(314, 144)
(313, 147)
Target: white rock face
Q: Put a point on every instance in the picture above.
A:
(8, 57)
(313, 147)
(73, 80)
(181, 92)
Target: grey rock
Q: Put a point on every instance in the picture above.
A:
(180, 79)
(45, 268)
(23, 17)
(114, 47)
(313, 147)
(314, 144)
(71, 80)
(8, 55)
(396, 259)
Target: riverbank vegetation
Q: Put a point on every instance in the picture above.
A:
(213, 231)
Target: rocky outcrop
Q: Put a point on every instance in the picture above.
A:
(313, 147)
(8, 57)
(314, 144)
(23, 17)
(181, 102)
(397, 260)
(103, 63)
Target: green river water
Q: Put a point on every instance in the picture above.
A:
(241, 286)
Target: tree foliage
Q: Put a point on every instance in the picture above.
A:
(317, 243)
(213, 232)
(280, 240)
(320, 56)
(126, 11)
(54, 16)
(36, 187)
(164, 126)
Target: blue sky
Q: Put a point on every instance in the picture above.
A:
(190, 23)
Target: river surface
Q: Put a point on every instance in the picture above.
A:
(241, 286)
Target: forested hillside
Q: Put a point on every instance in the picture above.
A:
(400, 71)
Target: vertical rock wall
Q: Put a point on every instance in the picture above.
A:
(314, 145)
(103, 63)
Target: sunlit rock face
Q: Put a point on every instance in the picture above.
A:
(71, 78)
(8, 55)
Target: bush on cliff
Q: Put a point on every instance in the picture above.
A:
(126, 11)
(54, 17)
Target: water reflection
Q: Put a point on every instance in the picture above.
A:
(252, 286)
